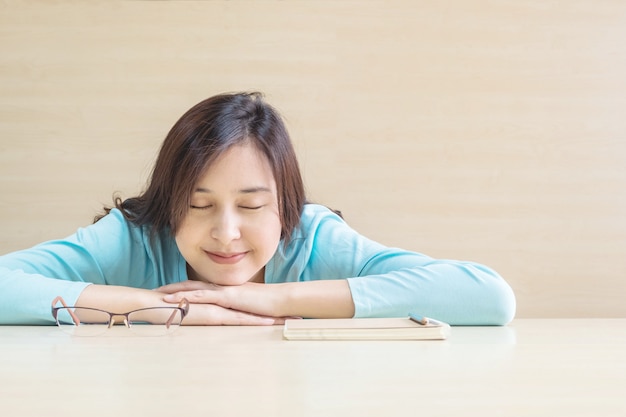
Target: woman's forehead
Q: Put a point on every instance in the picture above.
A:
(243, 167)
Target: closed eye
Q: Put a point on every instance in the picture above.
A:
(201, 207)
(251, 207)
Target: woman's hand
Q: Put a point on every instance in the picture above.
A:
(229, 305)
(311, 299)
(194, 291)
(211, 314)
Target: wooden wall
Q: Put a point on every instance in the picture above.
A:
(482, 130)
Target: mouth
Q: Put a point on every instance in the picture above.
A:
(226, 258)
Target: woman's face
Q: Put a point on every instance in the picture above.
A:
(232, 228)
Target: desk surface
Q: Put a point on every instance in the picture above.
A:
(568, 367)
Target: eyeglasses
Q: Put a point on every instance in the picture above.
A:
(85, 321)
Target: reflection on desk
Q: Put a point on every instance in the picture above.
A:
(567, 367)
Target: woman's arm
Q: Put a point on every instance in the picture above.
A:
(109, 252)
(458, 293)
(26, 298)
(313, 299)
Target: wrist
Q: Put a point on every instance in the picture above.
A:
(316, 299)
(119, 299)
(283, 299)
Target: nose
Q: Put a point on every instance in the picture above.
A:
(226, 227)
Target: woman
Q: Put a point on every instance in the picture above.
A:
(223, 216)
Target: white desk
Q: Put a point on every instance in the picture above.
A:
(530, 368)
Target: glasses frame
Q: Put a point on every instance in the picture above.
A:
(183, 308)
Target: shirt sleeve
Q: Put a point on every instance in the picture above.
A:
(110, 252)
(390, 282)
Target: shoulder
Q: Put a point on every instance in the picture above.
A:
(115, 234)
(323, 246)
(318, 222)
(321, 229)
(116, 225)
(112, 226)
(314, 215)
(131, 253)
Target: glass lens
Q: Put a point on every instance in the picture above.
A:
(82, 321)
(155, 321)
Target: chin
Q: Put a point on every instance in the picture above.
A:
(230, 281)
(227, 278)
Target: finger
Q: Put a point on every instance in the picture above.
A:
(196, 296)
(182, 286)
(174, 298)
(210, 314)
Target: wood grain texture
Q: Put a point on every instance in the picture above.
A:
(489, 131)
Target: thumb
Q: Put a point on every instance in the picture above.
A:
(173, 298)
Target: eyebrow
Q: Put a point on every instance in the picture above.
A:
(251, 190)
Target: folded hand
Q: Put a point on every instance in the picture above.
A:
(220, 305)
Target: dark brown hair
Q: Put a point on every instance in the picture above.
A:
(197, 139)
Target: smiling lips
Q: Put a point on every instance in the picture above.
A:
(226, 258)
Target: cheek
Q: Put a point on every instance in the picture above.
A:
(268, 234)
(185, 237)
(272, 239)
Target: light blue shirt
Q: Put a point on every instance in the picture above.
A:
(385, 282)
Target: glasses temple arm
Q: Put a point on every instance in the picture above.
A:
(60, 299)
(183, 306)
